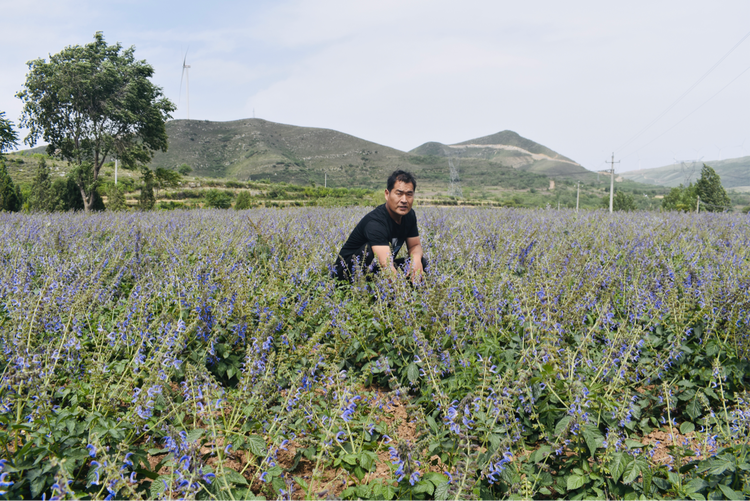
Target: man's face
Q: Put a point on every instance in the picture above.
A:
(400, 198)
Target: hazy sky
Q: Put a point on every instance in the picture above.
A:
(581, 77)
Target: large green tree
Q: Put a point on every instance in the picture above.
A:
(94, 101)
(713, 196)
(8, 136)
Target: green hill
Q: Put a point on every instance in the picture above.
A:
(511, 150)
(734, 173)
(256, 149)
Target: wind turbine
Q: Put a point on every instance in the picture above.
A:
(186, 73)
(742, 147)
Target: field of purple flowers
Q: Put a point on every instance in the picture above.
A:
(207, 354)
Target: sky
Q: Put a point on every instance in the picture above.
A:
(587, 79)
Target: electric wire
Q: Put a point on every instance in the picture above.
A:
(711, 69)
(686, 116)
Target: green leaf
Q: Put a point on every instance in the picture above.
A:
(687, 427)
(575, 481)
(435, 477)
(719, 466)
(367, 460)
(359, 472)
(633, 471)
(633, 444)
(696, 485)
(562, 425)
(441, 491)
(158, 486)
(388, 492)
(432, 423)
(423, 486)
(412, 372)
(194, 435)
(349, 459)
(618, 464)
(693, 409)
(257, 445)
(363, 491)
(594, 438)
(730, 493)
(233, 477)
(541, 453)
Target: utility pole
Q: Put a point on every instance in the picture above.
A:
(325, 180)
(698, 205)
(115, 171)
(612, 182)
(578, 195)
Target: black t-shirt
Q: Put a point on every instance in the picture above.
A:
(379, 228)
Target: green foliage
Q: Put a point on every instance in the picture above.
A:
(185, 169)
(10, 199)
(92, 101)
(620, 202)
(218, 199)
(116, 199)
(66, 195)
(165, 178)
(244, 201)
(8, 137)
(147, 200)
(682, 198)
(222, 361)
(713, 196)
(41, 197)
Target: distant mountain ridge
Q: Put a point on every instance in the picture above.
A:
(255, 148)
(511, 149)
(734, 173)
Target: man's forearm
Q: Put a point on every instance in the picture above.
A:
(416, 253)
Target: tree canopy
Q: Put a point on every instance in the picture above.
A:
(94, 101)
(621, 201)
(712, 195)
(8, 136)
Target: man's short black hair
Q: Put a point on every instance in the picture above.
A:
(403, 176)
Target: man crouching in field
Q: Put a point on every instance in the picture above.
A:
(383, 231)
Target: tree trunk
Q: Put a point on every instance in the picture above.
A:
(88, 201)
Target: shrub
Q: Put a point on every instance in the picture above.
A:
(244, 201)
(218, 199)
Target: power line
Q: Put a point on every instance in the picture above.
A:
(711, 69)
(686, 116)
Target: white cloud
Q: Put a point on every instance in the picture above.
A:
(580, 77)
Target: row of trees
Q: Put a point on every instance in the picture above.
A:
(52, 195)
(707, 194)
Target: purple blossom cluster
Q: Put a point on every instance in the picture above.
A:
(205, 314)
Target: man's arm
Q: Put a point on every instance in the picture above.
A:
(383, 253)
(414, 247)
